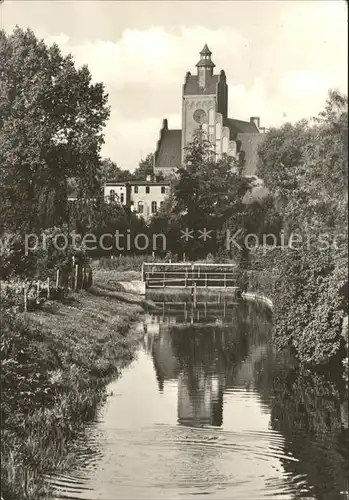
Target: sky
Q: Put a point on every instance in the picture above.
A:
(281, 57)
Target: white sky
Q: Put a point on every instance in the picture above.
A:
(280, 57)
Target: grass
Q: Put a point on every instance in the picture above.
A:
(56, 364)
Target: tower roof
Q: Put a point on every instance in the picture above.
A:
(205, 60)
(205, 51)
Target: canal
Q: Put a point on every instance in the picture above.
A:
(209, 409)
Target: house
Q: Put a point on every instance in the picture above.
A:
(144, 198)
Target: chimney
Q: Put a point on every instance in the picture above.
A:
(255, 120)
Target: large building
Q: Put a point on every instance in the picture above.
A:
(205, 104)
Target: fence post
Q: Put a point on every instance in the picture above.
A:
(48, 288)
(163, 280)
(206, 280)
(76, 277)
(25, 300)
(57, 279)
(225, 280)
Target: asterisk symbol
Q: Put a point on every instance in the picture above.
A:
(205, 234)
(187, 234)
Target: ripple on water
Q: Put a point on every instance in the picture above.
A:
(180, 460)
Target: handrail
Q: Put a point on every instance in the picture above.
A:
(188, 264)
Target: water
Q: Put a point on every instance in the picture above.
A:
(210, 410)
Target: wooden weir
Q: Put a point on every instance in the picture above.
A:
(185, 275)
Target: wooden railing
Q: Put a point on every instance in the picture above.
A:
(184, 275)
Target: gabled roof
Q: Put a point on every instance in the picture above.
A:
(240, 127)
(169, 155)
(191, 87)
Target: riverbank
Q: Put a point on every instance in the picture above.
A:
(56, 363)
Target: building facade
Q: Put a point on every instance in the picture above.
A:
(144, 198)
(205, 104)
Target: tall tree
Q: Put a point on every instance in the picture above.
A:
(144, 168)
(51, 121)
(110, 171)
(305, 166)
(206, 192)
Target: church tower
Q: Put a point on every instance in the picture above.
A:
(205, 103)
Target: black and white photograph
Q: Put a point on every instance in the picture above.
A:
(174, 250)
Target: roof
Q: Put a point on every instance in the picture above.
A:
(191, 87)
(240, 127)
(206, 63)
(205, 51)
(138, 183)
(169, 155)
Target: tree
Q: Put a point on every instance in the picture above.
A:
(51, 121)
(206, 192)
(145, 168)
(110, 171)
(305, 167)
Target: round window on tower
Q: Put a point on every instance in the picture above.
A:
(199, 116)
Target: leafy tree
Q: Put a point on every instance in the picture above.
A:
(306, 168)
(110, 171)
(206, 192)
(145, 168)
(51, 121)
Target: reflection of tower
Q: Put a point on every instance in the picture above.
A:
(200, 398)
(164, 360)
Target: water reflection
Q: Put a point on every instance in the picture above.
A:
(203, 354)
(209, 408)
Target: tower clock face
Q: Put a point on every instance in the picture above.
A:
(199, 116)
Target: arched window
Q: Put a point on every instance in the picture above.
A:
(154, 207)
(140, 207)
(112, 195)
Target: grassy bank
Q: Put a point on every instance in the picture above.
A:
(55, 366)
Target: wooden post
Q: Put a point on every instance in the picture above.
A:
(143, 272)
(37, 289)
(195, 294)
(153, 255)
(206, 280)
(25, 300)
(163, 280)
(76, 277)
(57, 279)
(48, 288)
(225, 280)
